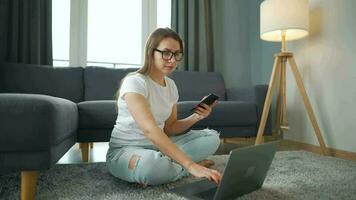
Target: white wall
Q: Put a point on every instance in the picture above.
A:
(327, 63)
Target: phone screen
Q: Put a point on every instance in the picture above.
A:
(210, 99)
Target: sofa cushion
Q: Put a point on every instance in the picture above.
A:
(102, 114)
(102, 83)
(31, 122)
(64, 82)
(193, 86)
(97, 114)
(225, 113)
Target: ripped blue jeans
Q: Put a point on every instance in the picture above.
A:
(148, 166)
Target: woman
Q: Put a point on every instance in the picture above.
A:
(146, 145)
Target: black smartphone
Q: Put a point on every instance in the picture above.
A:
(210, 99)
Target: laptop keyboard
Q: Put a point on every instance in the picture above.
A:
(207, 194)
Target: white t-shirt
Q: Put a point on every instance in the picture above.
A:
(160, 99)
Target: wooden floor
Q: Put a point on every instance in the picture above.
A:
(98, 153)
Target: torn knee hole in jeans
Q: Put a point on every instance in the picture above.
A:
(133, 162)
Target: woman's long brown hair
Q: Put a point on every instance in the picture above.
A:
(152, 43)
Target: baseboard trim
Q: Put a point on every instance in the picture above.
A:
(316, 149)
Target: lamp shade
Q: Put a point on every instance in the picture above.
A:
(290, 16)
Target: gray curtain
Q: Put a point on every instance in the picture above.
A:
(26, 31)
(192, 20)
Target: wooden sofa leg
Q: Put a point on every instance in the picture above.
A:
(263, 139)
(84, 147)
(28, 184)
(223, 140)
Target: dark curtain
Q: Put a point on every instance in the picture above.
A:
(192, 20)
(26, 31)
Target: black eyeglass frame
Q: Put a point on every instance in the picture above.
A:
(172, 54)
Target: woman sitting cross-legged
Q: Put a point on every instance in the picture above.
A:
(146, 146)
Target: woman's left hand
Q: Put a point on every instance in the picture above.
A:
(204, 110)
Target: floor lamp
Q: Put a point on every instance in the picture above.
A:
(281, 21)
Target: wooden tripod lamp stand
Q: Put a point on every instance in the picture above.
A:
(281, 21)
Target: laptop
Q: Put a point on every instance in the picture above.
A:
(245, 172)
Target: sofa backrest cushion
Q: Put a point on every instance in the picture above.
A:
(63, 82)
(102, 83)
(193, 86)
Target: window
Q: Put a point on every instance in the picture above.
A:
(114, 31)
(114, 35)
(60, 32)
(164, 13)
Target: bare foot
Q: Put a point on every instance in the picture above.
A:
(206, 163)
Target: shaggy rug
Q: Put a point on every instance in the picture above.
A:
(293, 175)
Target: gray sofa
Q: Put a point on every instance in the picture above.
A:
(237, 114)
(45, 110)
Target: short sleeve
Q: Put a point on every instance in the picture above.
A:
(133, 83)
(174, 91)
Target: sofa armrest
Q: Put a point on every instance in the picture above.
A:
(31, 122)
(260, 97)
(257, 95)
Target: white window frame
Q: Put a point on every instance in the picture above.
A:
(79, 29)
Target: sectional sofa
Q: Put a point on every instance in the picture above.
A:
(45, 110)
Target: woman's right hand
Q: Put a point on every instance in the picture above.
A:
(200, 171)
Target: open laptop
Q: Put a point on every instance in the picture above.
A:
(245, 172)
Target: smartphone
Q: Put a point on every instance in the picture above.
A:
(210, 99)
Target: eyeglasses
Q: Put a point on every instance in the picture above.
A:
(167, 55)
